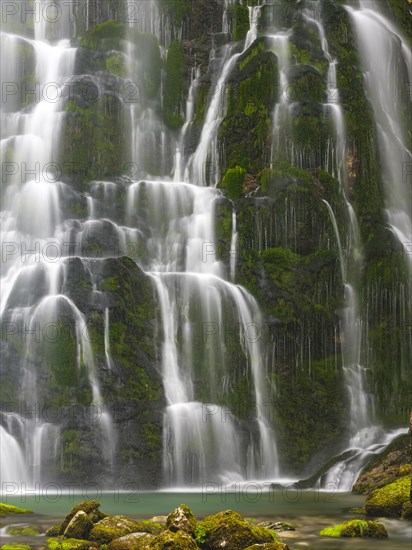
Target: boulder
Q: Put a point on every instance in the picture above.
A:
(229, 530)
(389, 500)
(114, 527)
(89, 507)
(60, 543)
(356, 528)
(181, 519)
(277, 525)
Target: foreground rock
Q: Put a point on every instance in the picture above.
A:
(389, 501)
(229, 530)
(9, 510)
(181, 518)
(90, 507)
(131, 542)
(84, 528)
(356, 528)
(114, 527)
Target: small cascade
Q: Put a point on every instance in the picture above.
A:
(197, 306)
(387, 62)
(206, 154)
(233, 246)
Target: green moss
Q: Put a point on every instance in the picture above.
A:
(233, 182)
(24, 531)
(356, 528)
(106, 36)
(15, 546)
(8, 510)
(241, 24)
(233, 529)
(389, 500)
(174, 87)
(177, 10)
(150, 61)
(61, 543)
(116, 65)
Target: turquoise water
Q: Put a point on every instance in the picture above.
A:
(309, 511)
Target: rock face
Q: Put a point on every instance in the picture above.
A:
(390, 499)
(386, 467)
(356, 528)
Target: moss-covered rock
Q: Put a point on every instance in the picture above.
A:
(27, 531)
(9, 510)
(356, 528)
(15, 546)
(90, 507)
(241, 23)
(233, 182)
(134, 541)
(229, 529)
(173, 88)
(183, 519)
(389, 500)
(79, 527)
(178, 540)
(107, 36)
(61, 543)
(114, 527)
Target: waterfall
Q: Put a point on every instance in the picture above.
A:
(387, 62)
(32, 222)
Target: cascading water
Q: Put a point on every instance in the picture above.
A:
(31, 224)
(387, 61)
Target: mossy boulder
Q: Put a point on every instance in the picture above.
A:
(181, 519)
(89, 507)
(356, 528)
(389, 500)
(25, 531)
(173, 541)
(79, 527)
(15, 546)
(60, 543)
(114, 527)
(9, 510)
(229, 530)
(132, 542)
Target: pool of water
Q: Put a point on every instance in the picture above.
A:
(309, 511)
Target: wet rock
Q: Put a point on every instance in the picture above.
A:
(356, 528)
(90, 507)
(181, 519)
(385, 468)
(133, 541)
(79, 527)
(277, 525)
(172, 541)
(277, 545)
(389, 500)
(9, 510)
(114, 527)
(229, 530)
